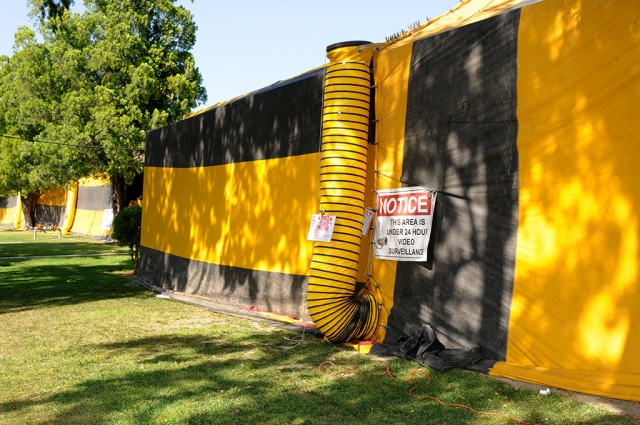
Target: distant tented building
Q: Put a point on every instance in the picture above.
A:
(94, 207)
(8, 210)
(85, 207)
(519, 118)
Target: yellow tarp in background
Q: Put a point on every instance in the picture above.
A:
(89, 221)
(7, 215)
(53, 197)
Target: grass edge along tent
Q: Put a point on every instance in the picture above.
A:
(518, 114)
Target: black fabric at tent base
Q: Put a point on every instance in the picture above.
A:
(425, 348)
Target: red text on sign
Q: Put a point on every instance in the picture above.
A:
(404, 204)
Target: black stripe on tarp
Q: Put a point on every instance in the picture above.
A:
(8, 202)
(94, 198)
(47, 214)
(279, 121)
(270, 291)
(461, 132)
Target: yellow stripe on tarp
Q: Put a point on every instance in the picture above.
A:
(465, 13)
(98, 180)
(391, 77)
(254, 215)
(89, 223)
(6, 215)
(54, 197)
(70, 210)
(574, 314)
(18, 216)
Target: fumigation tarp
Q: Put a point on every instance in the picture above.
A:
(84, 207)
(525, 124)
(94, 207)
(228, 195)
(51, 207)
(520, 114)
(460, 135)
(8, 210)
(574, 320)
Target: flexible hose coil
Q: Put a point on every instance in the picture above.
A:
(335, 308)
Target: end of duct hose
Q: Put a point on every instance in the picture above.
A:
(352, 43)
(338, 311)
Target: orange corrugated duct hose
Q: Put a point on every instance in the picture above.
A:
(338, 312)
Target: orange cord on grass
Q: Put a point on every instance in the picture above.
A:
(415, 377)
(388, 372)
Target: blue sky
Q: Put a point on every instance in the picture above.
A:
(244, 45)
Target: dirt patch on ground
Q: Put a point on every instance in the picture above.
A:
(225, 309)
(183, 324)
(622, 407)
(126, 273)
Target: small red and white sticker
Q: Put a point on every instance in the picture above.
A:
(321, 228)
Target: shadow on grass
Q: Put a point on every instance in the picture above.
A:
(27, 285)
(217, 379)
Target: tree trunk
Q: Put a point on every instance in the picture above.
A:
(119, 192)
(29, 210)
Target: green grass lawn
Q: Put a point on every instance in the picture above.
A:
(22, 244)
(80, 346)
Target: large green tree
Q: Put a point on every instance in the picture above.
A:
(119, 69)
(30, 91)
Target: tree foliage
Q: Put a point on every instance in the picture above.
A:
(29, 98)
(48, 10)
(99, 80)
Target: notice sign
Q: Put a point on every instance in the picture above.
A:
(321, 228)
(403, 223)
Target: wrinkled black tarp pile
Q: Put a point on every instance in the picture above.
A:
(425, 348)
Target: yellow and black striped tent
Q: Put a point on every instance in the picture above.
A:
(93, 213)
(84, 208)
(519, 114)
(8, 210)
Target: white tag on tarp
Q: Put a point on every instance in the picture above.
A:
(403, 223)
(107, 219)
(321, 228)
(368, 216)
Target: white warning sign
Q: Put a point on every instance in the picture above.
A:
(321, 228)
(403, 223)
